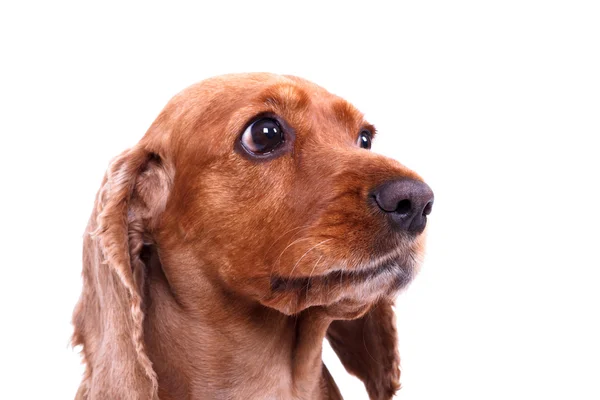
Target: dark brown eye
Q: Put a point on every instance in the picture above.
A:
(262, 136)
(364, 139)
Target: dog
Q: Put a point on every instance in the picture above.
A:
(248, 224)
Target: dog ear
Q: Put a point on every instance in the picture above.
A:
(108, 318)
(368, 349)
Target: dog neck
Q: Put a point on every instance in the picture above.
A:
(221, 345)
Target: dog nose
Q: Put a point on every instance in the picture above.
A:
(407, 202)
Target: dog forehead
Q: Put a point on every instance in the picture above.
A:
(228, 102)
(241, 97)
(286, 92)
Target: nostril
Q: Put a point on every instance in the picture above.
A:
(427, 209)
(407, 203)
(403, 207)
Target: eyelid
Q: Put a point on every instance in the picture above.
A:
(367, 132)
(369, 129)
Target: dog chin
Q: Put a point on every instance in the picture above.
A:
(394, 274)
(354, 288)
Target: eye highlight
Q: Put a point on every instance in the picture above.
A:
(262, 136)
(364, 139)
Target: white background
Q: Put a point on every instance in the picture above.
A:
(495, 103)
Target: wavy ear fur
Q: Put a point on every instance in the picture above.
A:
(368, 348)
(108, 318)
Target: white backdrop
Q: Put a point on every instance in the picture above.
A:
(495, 103)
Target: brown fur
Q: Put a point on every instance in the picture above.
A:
(209, 274)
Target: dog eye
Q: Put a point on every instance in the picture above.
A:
(364, 139)
(262, 136)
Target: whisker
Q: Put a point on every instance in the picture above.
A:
(308, 251)
(288, 246)
(300, 229)
(286, 232)
(310, 276)
(278, 260)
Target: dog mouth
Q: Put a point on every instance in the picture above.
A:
(397, 273)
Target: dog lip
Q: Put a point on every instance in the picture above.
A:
(281, 283)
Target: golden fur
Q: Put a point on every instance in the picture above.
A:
(210, 274)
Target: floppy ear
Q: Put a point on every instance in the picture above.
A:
(108, 318)
(368, 348)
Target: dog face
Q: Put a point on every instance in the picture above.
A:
(276, 194)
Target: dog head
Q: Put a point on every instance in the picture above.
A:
(276, 194)
(257, 185)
